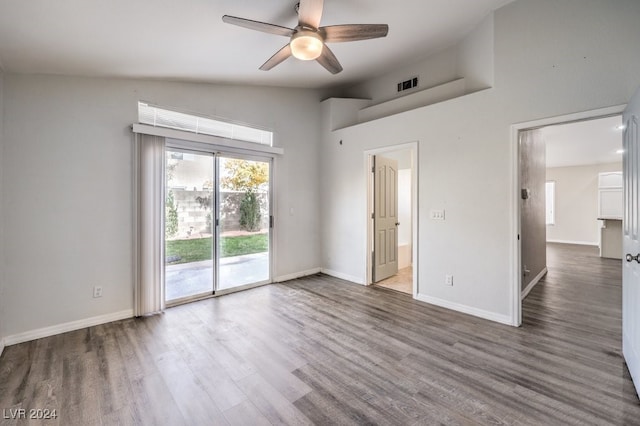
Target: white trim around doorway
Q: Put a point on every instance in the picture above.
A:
(515, 250)
(368, 154)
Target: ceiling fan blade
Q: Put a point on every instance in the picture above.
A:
(280, 56)
(310, 12)
(353, 32)
(258, 26)
(328, 60)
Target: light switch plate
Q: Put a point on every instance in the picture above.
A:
(437, 215)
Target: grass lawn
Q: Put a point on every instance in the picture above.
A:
(198, 249)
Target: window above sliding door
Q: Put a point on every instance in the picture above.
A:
(161, 117)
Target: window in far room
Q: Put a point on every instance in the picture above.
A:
(550, 205)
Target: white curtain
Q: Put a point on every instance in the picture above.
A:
(149, 225)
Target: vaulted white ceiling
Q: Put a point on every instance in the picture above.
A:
(187, 40)
(584, 143)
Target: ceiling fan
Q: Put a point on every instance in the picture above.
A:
(308, 40)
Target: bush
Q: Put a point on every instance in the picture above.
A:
(250, 212)
(171, 216)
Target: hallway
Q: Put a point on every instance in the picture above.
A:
(581, 294)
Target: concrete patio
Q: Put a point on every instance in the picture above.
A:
(189, 279)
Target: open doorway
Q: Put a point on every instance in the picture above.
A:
(392, 228)
(569, 195)
(601, 305)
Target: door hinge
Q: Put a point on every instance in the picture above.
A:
(270, 221)
(373, 215)
(217, 222)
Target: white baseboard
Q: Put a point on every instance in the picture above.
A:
(295, 275)
(533, 283)
(1, 346)
(579, 243)
(67, 326)
(342, 276)
(491, 316)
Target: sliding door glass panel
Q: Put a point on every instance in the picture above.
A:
(243, 222)
(188, 225)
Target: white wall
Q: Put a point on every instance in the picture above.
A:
(551, 58)
(3, 297)
(68, 183)
(471, 59)
(475, 56)
(404, 217)
(577, 203)
(441, 66)
(404, 206)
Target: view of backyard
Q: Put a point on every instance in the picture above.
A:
(198, 205)
(197, 249)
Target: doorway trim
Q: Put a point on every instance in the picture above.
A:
(368, 163)
(516, 248)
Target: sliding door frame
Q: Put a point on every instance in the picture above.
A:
(198, 296)
(249, 157)
(216, 153)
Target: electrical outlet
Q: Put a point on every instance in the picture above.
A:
(437, 214)
(448, 280)
(97, 291)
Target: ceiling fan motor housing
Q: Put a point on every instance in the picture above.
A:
(306, 44)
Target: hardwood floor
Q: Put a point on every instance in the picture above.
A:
(320, 350)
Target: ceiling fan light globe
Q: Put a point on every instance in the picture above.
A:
(306, 45)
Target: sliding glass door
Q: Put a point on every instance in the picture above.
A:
(243, 221)
(217, 223)
(189, 237)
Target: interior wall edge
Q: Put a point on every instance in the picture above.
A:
(465, 309)
(295, 275)
(534, 282)
(342, 276)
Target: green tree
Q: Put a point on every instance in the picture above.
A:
(248, 177)
(243, 175)
(171, 216)
(250, 212)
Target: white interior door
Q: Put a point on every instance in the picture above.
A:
(385, 218)
(631, 242)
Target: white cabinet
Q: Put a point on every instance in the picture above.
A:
(610, 197)
(610, 180)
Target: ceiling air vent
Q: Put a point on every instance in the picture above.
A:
(408, 84)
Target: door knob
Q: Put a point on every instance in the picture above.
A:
(397, 223)
(631, 258)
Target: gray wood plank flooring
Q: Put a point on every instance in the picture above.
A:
(319, 350)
